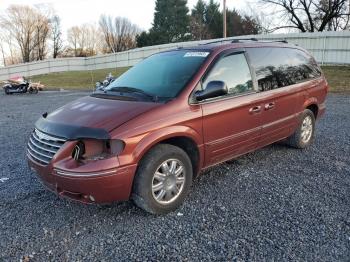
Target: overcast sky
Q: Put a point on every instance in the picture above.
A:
(76, 12)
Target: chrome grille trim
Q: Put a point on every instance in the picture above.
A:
(36, 144)
(38, 152)
(37, 158)
(82, 174)
(42, 147)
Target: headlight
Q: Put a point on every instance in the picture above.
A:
(93, 149)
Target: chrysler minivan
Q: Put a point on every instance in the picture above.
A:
(148, 134)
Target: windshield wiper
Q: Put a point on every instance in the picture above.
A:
(133, 90)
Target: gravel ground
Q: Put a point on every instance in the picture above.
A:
(274, 204)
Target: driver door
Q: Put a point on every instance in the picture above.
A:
(231, 123)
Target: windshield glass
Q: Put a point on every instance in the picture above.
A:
(163, 75)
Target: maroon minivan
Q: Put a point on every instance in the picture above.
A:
(148, 134)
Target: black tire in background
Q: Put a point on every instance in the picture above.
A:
(143, 188)
(32, 90)
(297, 140)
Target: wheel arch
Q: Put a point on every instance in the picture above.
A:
(312, 104)
(314, 109)
(183, 137)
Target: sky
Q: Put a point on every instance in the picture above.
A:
(76, 12)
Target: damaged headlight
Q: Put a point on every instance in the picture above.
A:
(93, 149)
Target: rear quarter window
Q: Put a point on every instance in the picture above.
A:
(279, 67)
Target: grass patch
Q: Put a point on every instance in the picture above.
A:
(338, 78)
(76, 80)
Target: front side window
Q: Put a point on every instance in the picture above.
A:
(234, 71)
(162, 75)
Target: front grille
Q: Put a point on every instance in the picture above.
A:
(42, 147)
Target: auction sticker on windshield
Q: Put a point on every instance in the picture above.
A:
(196, 54)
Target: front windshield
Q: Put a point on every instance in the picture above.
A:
(162, 75)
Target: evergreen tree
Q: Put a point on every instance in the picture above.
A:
(173, 24)
(145, 39)
(198, 23)
(214, 19)
(171, 21)
(241, 25)
(207, 20)
(199, 11)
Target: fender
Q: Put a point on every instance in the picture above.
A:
(153, 138)
(310, 101)
(165, 133)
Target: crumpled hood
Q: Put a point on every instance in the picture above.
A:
(99, 113)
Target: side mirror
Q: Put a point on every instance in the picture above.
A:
(213, 89)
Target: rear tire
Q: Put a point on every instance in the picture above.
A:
(7, 91)
(305, 133)
(162, 180)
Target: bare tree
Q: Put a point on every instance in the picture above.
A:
(56, 35)
(84, 39)
(2, 41)
(119, 34)
(9, 49)
(312, 15)
(42, 30)
(29, 27)
(74, 38)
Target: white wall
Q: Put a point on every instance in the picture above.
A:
(327, 47)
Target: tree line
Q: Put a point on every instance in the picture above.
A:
(35, 33)
(174, 22)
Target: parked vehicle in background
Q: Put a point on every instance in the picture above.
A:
(101, 85)
(37, 85)
(19, 85)
(150, 132)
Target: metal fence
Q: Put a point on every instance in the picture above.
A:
(327, 48)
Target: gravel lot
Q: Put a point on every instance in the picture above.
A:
(274, 204)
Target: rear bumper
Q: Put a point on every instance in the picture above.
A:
(102, 186)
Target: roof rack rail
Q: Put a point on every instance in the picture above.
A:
(217, 41)
(237, 40)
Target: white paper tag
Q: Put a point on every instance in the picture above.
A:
(196, 54)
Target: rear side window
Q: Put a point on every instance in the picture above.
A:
(279, 67)
(234, 71)
(302, 66)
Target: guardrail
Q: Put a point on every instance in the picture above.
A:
(327, 48)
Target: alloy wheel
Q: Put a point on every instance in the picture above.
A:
(306, 129)
(168, 181)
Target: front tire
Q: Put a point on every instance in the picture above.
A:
(163, 179)
(305, 133)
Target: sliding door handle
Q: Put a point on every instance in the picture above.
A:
(269, 106)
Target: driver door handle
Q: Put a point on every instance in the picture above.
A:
(255, 110)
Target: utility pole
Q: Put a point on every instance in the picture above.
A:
(224, 18)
